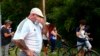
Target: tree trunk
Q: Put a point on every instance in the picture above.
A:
(42, 7)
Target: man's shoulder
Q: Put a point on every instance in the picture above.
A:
(24, 21)
(3, 28)
(28, 21)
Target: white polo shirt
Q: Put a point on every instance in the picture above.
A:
(30, 33)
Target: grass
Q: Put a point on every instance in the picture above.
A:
(12, 52)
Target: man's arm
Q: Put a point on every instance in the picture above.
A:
(77, 34)
(8, 34)
(19, 36)
(21, 44)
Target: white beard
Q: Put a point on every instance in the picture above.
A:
(36, 22)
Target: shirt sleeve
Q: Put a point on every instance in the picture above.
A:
(4, 30)
(22, 31)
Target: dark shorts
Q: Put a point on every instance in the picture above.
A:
(45, 42)
(81, 39)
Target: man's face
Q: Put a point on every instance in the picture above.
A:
(32, 17)
(39, 19)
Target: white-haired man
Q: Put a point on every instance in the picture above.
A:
(28, 36)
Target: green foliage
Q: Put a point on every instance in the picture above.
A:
(16, 10)
(97, 11)
(69, 24)
(65, 14)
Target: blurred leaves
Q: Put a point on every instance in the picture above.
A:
(69, 24)
(97, 11)
(16, 10)
(65, 14)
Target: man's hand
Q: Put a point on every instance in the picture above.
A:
(21, 44)
(87, 33)
(29, 52)
(91, 39)
(12, 33)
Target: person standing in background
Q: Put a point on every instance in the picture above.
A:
(6, 36)
(45, 39)
(82, 37)
(53, 37)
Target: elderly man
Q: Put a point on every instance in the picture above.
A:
(28, 36)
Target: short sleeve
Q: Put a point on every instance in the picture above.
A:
(4, 30)
(22, 31)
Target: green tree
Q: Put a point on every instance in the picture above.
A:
(65, 14)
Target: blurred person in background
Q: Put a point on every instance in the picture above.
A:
(6, 36)
(45, 39)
